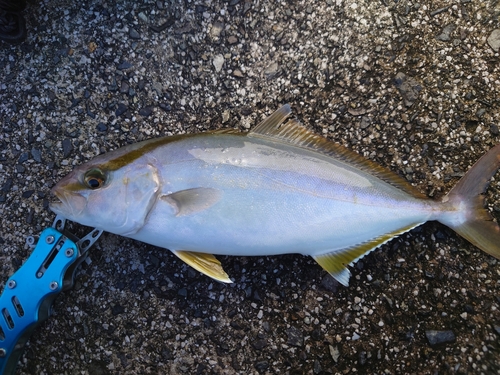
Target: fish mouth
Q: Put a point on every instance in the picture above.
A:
(67, 204)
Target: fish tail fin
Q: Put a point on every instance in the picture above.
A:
(469, 218)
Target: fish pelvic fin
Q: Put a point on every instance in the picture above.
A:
(336, 262)
(204, 263)
(470, 219)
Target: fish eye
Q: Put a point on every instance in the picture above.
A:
(94, 179)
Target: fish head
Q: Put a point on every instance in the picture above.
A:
(99, 194)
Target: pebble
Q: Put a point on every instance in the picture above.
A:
(134, 34)
(218, 62)
(295, 337)
(124, 65)
(146, 111)
(494, 40)
(67, 147)
(408, 87)
(334, 352)
(271, 70)
(439, 337)
(122, 108)
(36, 154)
(445, 35)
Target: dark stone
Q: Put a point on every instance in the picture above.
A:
(134, 34)
(37, 155)
(67, 147)
(439, 337)
(329, 283)
(408, 87)
(101, 127)
(445, 35)
(24, 156)
(7, 185)
(317, 369)
(295, 337)
(182, 292)
(262, 365)
(166, 107)
(494, 129)
(124, 87)
(259, 344)
(28, 193)
(146, 111)
(122, 108)
(117, 309)
(124, 65)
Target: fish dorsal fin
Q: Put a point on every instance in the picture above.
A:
(278, 127)
(205, 263)
(336, 262)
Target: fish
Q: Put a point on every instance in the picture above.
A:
(277, 189)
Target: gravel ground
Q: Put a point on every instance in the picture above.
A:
(412, 85)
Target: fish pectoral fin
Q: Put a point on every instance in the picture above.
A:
(336, 262)
(205, 263)
(190, 201)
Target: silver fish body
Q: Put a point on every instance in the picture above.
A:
(278, 189)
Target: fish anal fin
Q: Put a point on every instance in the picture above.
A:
(336, 262)
(280, 127)
(204, 263)
(189, 201)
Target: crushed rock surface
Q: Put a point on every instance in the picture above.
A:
(414, 86)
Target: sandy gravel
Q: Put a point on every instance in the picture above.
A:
(412, 85)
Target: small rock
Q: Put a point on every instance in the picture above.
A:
(124, 87)
(124, 65)
(439, 337)
(122, 108)
(365, 122)
(216, 30)
(237, 73)
(133, 34)
(334, 352)
(445, 35)
(158, 87)
(408, 87)
(259, 344)
(37, 155)
(218, 62)
(117, 309)
(262, 365)
(317, 369)
(67, 147)
(28, 193)
(146, 111)
(494, 40)
(329, 283)
(165, 106)
(271, 70)
(232, 39)
(101, 127)
(497, 329)
(494, 129)
(295, 337)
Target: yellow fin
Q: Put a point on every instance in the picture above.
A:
(279, 127)
(336, 262)
(205, 263)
